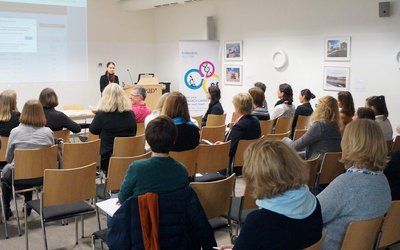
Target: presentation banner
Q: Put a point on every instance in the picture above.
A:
(199, 69)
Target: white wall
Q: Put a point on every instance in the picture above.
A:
(299, 28)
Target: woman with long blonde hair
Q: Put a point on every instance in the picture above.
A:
(9, 115)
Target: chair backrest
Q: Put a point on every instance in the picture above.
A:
(212, 158)
(248, 201)
(140, 130)
(276, 137)
(216, 196)
(117, 168)
(313, 165)
(215, 120)
(4, 143)
(266, 126)
(330, 167)
(234, 117)
(74, 107)
(198, 118)
(299, 133)
(213, 133)
(80, 154)
(188, 158)
(238, 159)
(361, 234)
(92, 137)
(391, 226)
(396, 144)
(283, 125)
(31, 163)
(303, 122)
(66, 186)
(63, 134)
(320, 243)
(129, 146)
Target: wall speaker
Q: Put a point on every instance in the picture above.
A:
(210, 28)
(384, 9)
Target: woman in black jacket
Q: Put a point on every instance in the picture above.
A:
(215, 107)
(9, 115)
(108, 77)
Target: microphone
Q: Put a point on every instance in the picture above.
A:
(130, 76)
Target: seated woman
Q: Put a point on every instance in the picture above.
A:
(346, 107)
(215, 107)
(31, 133)
(114, 118)
(258, 99)
(176, 108)
(284, 107)
(56, 120)
(378, 105)
(363, 192)
(364, 113)
(9, 115)
(305, 108)
(324, 133)
(157, 110)
(289, 216)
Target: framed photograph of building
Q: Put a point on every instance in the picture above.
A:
(337, 48)
(233, 51)
(336, 78)
(233, 74)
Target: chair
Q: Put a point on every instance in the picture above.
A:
(92, 137)
(80, 154)
(140, 129)
(63, 134)
(215, 120)
(330, 169)
(234, 117)
(320, 243)
(74, 107)
(213, 133)
(299, 133)
(188, 158)
(241, 207)
(4, 143)
(396, 144)
(361, 234)
(29, 165)
(283, 125)
(198, 119)
(65, 195)
(302, 122)
(238, 159)
(212, 158)
(266, 126)
(312, 172)
(391, 226)
(276, 137)
(129, 146)
(216, 197)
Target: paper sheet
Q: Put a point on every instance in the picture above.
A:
(109, 206)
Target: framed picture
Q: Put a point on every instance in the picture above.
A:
(233, 51)
(233, 74)
(336, 78)
(337, 48)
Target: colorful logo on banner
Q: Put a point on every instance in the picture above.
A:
(197, 78)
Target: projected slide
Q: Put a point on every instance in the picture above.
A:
(43, 41)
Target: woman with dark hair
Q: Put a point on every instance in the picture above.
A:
(346, 107)
(284, 107)
(378, 105)
(108, 77)
(215, 107)
(305, 108)
(56, 120)
(258, 101)
(364, 113)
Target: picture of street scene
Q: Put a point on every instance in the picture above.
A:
(336, 78)
(338, 49)
(233, 75)
(233, 51)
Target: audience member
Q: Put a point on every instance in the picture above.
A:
(114, 118)
(305, 108)
(284, 107)
(364, 113)
(378, 105)
(139, 107)
(324, 133)
(258, 98)
(9, 114)
(56, 120)
(277, 178)
(392, 171)
(157, 110)
(176, 107)
(363, 192)
(31, 133)
(215, 107)
(263, 87)
(346, 107)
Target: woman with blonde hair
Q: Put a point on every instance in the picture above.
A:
(31, 133)
(324, 133)
(276, 177)
(362, 192)
(157, 110)
(9, 115)
(114, 118)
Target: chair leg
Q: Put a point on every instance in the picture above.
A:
(83, 227)
(93, 241)
(44, 233)
(3, 212)
(76, 230)
(16, 211)
(26, 228)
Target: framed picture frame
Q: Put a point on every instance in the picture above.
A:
(336, 78)
(338, 48)
(233, 75)
(233, 51)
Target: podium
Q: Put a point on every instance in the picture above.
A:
(153, 90)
